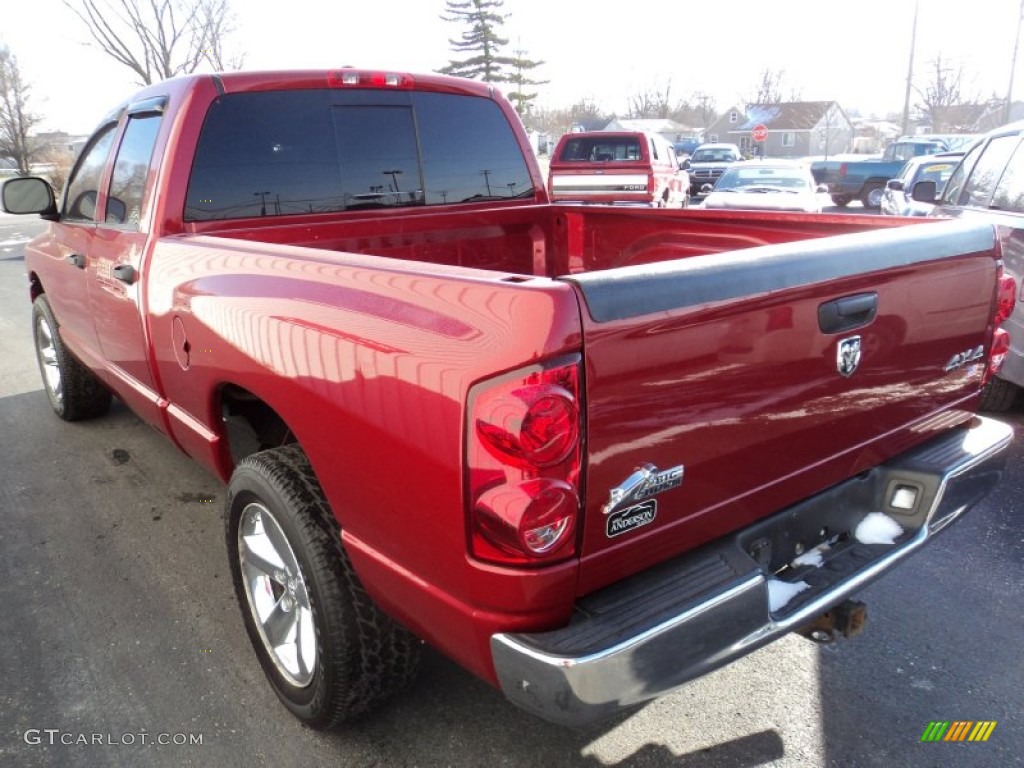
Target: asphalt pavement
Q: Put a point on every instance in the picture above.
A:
(119, 630)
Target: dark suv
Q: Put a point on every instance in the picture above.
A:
(989, 184)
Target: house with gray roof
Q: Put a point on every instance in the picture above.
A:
(795, 128)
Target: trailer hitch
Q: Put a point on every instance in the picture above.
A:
(846, 619)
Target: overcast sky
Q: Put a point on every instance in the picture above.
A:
(855, 51)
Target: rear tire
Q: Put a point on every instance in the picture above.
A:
(841, 200)
(73, 390)
(871, 196)
(998, 395)
(329, 653)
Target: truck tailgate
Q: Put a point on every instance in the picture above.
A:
(723, 388)
(624, 180)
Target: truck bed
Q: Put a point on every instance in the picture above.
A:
(744, 394)
(545, 240)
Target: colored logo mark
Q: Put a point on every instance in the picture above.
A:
(958, 730)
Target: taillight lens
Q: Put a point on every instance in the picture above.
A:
(524, 451)
(1006, 299)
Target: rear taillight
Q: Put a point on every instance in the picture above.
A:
(1006, 298)
(651, 185)
(524, 452)
(842, 169)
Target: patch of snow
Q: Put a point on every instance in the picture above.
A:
(810, 557)
(781, 592)
(877, 528)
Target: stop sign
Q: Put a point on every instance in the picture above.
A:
(760, 132)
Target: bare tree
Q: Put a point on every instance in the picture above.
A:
(770, 89)
(704, 109)
(559, 121)
(158, 39)
(650, 103)
(942, 93)
(16, 121)
(56, 162)
(218, 20)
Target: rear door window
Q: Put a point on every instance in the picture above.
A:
(131, 169)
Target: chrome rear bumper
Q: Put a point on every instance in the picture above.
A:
(651, 633)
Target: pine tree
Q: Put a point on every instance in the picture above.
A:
(481, 39)
(519, 80)
(486, 62)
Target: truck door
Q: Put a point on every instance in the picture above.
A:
(116, 255)
(66, 281)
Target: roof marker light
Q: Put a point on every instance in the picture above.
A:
(354, 78)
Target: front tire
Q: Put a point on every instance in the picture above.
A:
(329, 653)
(73, 390)
(872, 195)
(841, 200)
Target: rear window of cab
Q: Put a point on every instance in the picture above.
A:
(595, 149)
(275, 153)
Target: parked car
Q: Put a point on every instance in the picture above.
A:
(770, 186)
(897, 200)
(864, 178)
(618, 167)
(708, 162)
(988, 185)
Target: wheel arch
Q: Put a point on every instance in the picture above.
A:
(248, 423)
(35, 286)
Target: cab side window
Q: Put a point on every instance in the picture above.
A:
(83, 189)
(988, 169)
(131, 168)
(1009, 195)
(955, 185)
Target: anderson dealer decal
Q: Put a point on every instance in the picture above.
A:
(630, 519)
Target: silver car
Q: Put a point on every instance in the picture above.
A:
(897, 199)
(767, 186)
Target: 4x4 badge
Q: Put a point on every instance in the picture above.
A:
(646, 481)
(848, 355)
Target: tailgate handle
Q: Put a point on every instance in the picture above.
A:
(847, 313)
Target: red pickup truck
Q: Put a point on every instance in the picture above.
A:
(617, 167)
(589, 453)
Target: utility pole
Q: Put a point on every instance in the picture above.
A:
(910, 75)
(1013, 65)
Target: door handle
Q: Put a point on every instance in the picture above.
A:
(847, 313)
(77, 260)
(125, 273)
